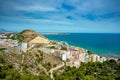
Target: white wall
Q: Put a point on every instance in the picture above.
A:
(24, 47)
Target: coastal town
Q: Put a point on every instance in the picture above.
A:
(59, 39)
(73, 56)
(41, 55)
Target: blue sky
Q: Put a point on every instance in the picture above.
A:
(84, 16)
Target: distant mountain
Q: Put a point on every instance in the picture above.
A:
(3, 30)
(54, 33)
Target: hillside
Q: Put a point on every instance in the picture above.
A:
(34, 62)
(35, 65)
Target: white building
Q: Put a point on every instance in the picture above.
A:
(76, 63)
(103, 59)
(87, 58)
(2, 40)
(82, 57)
(68, 54)
(64, 57)
(98, 58)
(23, 47)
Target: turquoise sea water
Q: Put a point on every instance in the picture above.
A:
(100, 43)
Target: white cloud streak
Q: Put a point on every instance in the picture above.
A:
(35, 8)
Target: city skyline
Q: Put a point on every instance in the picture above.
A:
(83, 16)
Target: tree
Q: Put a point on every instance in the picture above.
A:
(89, 52)
(2, 59)
(20, 37)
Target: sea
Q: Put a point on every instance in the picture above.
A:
(104, 44)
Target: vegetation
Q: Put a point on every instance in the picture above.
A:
(20, 37)
(27, 31)
(48, 66)
(63, 48)
(33, 65)
(89, 52)
(52, 47)
(2, 61)
(13, 38)
(8, 72)
(108, 70)
(53, 42)
(2, 49)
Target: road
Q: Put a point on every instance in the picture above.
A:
(54, 69)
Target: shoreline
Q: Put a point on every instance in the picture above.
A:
(104, 44)
(107, 55)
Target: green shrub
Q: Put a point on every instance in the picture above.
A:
(2, 49)
(2, 59)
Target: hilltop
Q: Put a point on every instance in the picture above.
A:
(28, 35)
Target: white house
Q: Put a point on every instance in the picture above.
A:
(64, 57)
(98, 58)
(103, 59)
(68, 54)
(82, 57)
(23, 47)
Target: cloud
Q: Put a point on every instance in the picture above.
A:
(80, 13)
(95, 7)
(35, 8)
(36, 21)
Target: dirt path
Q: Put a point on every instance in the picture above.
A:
(23, 56)
(54, 69)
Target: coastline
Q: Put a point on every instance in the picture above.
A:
(103, 52)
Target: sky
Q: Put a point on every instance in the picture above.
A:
(83, 16)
